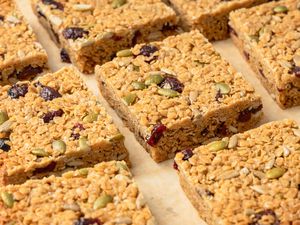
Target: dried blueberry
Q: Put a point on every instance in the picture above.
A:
(258, 216)
(296, 71)
(87, 221)
(172, 83)
(47, 117)
(65, 56)
(49, 93)
(50, 167)
(29, 71)
(18, 90)
(148, 50)
(74, 33)
(3, 145)
(187, 153)
(55, 4)
(75, 135)
(156, 134)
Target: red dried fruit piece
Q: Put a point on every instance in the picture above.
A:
(79, 126)
(156, 134)
(87, 221)
(258, 216)
(3, 145)
(55, 4)
(49, 93)
(172, 83)
(29, 71)
(18, 90)
(148, 50)
(65, 56)
(49, 116)
(74, 33)
(187, 153)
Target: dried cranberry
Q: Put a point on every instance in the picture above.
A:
(244, 116)
(1, 18)
(87, 221)
(18, 90)
(175, 166)
(296, 71)
(156, 134)
(74, 135)
(49, 93)
(74, 33)
(55, 4)
(258, 216)
(148, 50)
(50, 167)
(65, 56)
(3, 146)
(172, 83)
(187, 153)
(29, 71)
(47, 117)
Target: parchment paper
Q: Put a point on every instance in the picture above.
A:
(159, 182)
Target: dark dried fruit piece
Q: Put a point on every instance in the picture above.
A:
(75, 135)
(74, 33)
(172, 83)
(29, 71)
(50, 167)
(65, 56)
(148, 50)
(18, 90)
(49, 93)
(156, 134)
(258, 216)
(296, 71)
(187, 153)
(87, 221)
(55, 4)
(244, 116)
(3, 145)
(222, 130)
(49, 116)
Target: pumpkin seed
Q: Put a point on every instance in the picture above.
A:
(3, 117)
(138, 85)
(102, 201)
(39, 152)
(254, 37)
(91, 117)
(223, 88)
(121, 166)
(83, 172)
(275, 173)
(83, 144)
(7, 199)
(117, 137)
(280, 9)
(118, 3)
(217, 146)
(59, 146)
(168, 92)
(154, 79)
(129, 99)
(124, 53)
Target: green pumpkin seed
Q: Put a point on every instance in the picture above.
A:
(254, 37)
(137, 85)
(3, 117)
(168, 92)
(91, 117)
(280, 9)
(223, 88)
(83, 172)
(121, 166)
(102, 201)
(59, 146)
(7, 199)
(83, 144)
(217, 146)
(118, 137)
(118, 3)
(39, 152)
(129, 99)
(275, 173)
(124, 53)
(154, 79)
